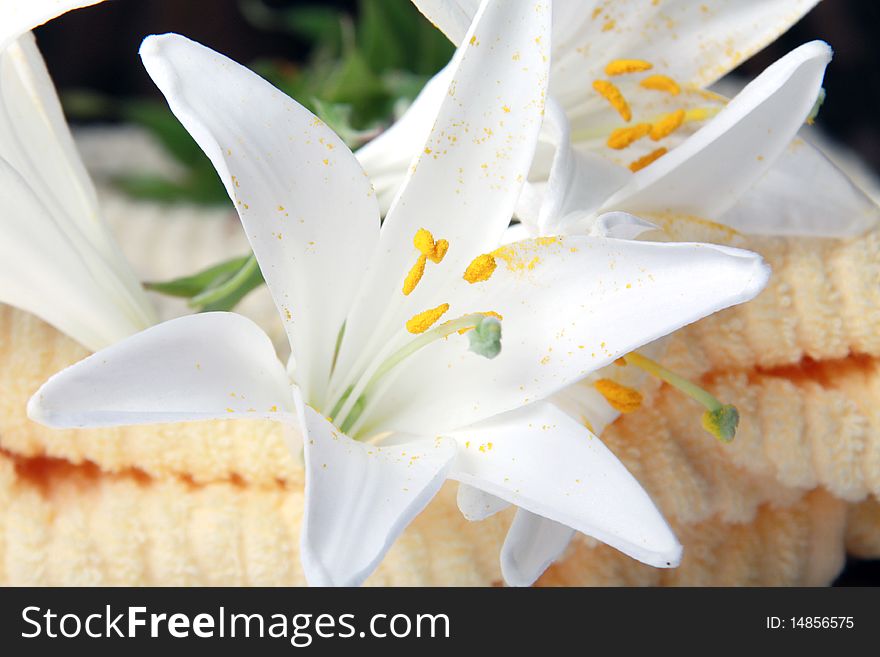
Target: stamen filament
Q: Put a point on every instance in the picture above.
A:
(345, 420)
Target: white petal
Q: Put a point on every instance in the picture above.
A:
(532, 544)
(540, 459)
(476, 504)
(694, 42)
(360, 497)
(803, 193)
(570, 306)
(465, 181)
(55, 275)
(305, 203)
(387, 157)
(620, 225)
(18, 17)
(707, 173)
(61, 262)
(452, 17)
(198, 367)
(578, 183)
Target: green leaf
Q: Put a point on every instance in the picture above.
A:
(191, 286)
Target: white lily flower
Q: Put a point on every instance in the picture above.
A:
(634, 77)
(57, 257)
(389, 399)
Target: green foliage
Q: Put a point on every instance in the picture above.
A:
(220, 287)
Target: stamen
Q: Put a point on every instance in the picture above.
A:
(667, 125)
(620, 397)
(645, 160)
(624, 66)
(623, 137)
(481, 269)
(424, 320)
(423, 240)
(433, 251)
(415, 275)
(719, 419)
(661, 83)
(612, 94)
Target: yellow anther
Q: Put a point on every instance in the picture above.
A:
(667, 125)
(624, 66)
(620, 397)
(440, 249)
(424, 320)
(612, 94)
(623, 137)
(424, 241)
(415, 275)
(480, 269)
(661, 83)
(645, 160)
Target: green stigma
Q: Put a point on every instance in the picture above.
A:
(722, 422)
(485, 338)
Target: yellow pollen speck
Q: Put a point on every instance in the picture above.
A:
(274, 409)
(644, 161)
(623, 137)
(624, 66)
(506, 109)
(280, 208)
(326, 162)
(667, 125)
(620, 397)
(427, 151)
(661, 83)
(612, 94)
(229, 410)
(481, 268)
(609, 26)
(474, 41)
(415, 275)
(424, 320)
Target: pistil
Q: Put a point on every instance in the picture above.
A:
(719, 419)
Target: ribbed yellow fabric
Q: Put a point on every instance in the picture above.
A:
(73, 525)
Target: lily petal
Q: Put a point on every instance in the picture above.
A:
(476, 504)
(708, 172)
(463, 185)
(387, 157)
(197, 367)
(305, 203)
(532, 544)
(60, 261)
(577, 182)
(18, 17)
(540, 459)
(803, 193)
(360, 497)
(687, 40)
(570, 306)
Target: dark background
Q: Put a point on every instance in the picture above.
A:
(96, 49)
